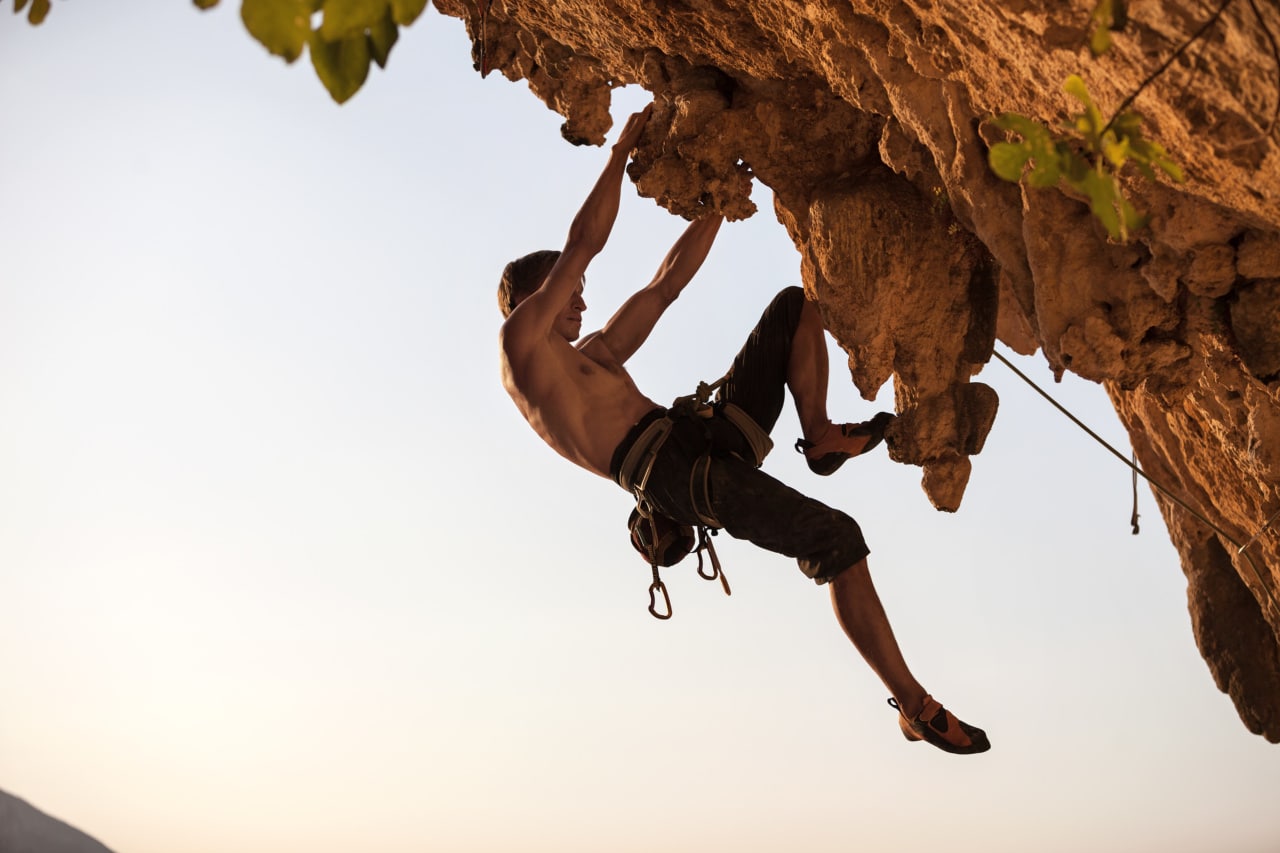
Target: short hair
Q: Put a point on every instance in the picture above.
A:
(523, 276)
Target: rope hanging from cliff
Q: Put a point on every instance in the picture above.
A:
(482, 43)
(1240, 549)
(1133, 519)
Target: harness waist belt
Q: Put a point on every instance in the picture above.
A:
(633, 473)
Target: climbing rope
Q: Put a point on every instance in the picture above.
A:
(1133, 518)
(1263, 530)
(1240, 549)
(482, 42)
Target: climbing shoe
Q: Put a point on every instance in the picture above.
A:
(824, 462)
(941, 728)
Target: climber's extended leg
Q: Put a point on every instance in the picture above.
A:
(860, 614)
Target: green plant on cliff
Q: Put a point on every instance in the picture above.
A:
(1090, 154)
(1087, 156)
(351, 33)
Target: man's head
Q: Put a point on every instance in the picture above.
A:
(522, 277)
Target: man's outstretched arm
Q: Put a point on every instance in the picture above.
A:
(631, 324)
(587, 235)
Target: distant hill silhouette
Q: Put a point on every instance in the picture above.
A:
(26, 829)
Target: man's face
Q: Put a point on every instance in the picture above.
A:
(569, 323)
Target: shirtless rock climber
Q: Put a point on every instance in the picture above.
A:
(580, 399)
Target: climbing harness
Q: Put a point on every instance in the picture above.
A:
(1240, 549)
(662, 541)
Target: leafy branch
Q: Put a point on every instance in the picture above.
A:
(351, 34)
(36, 14)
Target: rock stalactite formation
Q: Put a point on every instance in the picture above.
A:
(870, 121)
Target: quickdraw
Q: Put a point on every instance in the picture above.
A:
(656, 547)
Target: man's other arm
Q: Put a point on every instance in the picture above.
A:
(630, 326)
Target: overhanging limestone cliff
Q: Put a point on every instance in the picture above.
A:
(870, 122)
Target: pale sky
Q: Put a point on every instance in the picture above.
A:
(281, 568)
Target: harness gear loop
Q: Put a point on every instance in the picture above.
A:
(634, 477)
(654, 588)
(700, 492)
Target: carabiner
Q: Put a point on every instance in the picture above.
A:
(717, 573)
(655, 587)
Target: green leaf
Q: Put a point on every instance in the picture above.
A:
(1102, 13)
(1133, 221)
(1143, 168)
(205, 4)
(1128, 123)
(342, 66)
(282, 26)
(1046, 171)
(1075, 87)
(406, 12)
(1116, 152)
(1101, 191)
(1075, 168)
(1021, 125)
(382, 37)
(1089, 123)
(1007, 160)
(1154, 153)
(344, 18)
(1101, 22)
(39, 10)
(1099, 41)
(1172, 169)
